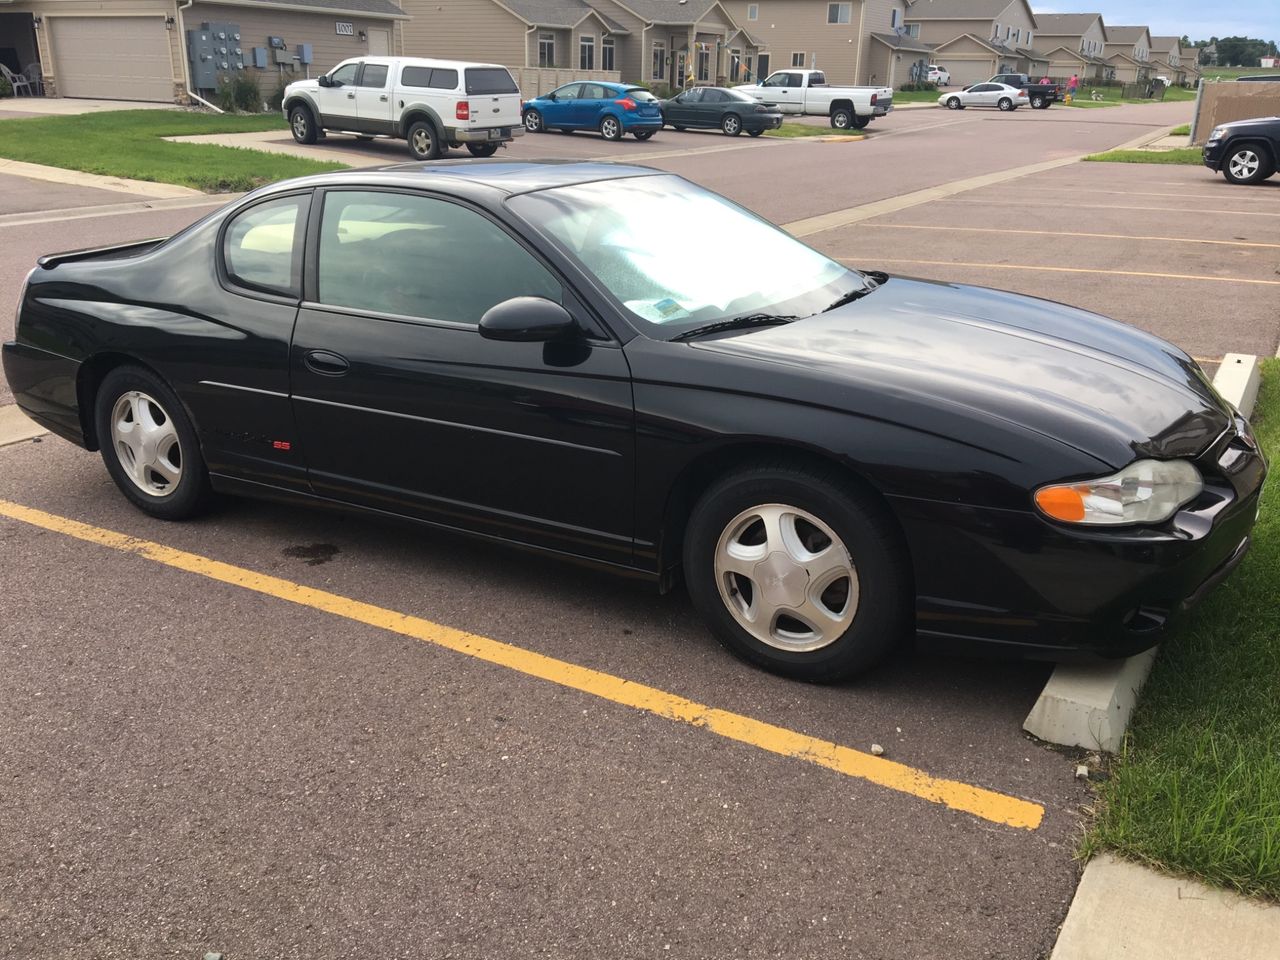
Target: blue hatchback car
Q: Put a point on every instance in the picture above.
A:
(615, 109)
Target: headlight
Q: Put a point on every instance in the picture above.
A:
(1217, 133)
(1146, 491)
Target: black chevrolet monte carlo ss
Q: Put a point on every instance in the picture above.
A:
(533, 353)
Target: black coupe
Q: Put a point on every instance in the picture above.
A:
(720, 108)
(830, 459)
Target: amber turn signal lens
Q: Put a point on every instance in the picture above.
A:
(1061, 503)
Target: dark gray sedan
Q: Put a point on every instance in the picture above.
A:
(720, 107)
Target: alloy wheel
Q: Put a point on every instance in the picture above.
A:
(146, 443)
(533, 121)
(786, 577)
(731, 125)
(299, 125)
(1244, 164)
(421, 142)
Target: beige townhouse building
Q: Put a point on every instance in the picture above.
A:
(140, 49)
(1166, 59)
(976, 39)
(1074, 44)
(1128, 54)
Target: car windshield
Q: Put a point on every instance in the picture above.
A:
(676, 256)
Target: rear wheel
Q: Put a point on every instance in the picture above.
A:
(731, 124)
(860, 122)
(953, 103)
(841, 119)
(644, 134)
(482, 149)
(1248, 163)
(611, 128)
(533, 121)
(149, 445)
(796, 573)
(1005, 104)
(1038, 102)
(424, 144)
(302, 124)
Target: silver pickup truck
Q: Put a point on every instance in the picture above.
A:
(806, 92)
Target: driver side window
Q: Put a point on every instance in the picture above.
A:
(570, 91)
(345, 74)
(416, 256)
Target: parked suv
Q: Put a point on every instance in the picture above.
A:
(1246, 151)
(433, 104)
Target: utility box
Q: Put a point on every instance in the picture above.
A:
(214, 50)
(304, 53)
(283, 57)
(260, 57)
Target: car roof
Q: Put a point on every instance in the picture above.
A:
(501, 176)
(425, 62)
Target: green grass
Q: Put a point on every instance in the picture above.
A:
(1182, 131)
(128, 144)
(1183, 156)
(920, 96)
(1179, 94)
(1197, 789)
(1230, 73)
(790, 130)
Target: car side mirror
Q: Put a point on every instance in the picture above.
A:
(527, 320)
(324, 81)
(552, 96)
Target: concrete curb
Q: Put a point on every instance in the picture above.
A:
(1122, 911)
(114, 209)
(15, 426)
(1089, 705)
(141, 188)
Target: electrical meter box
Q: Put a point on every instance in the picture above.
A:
(304, 53)
(260, 57)
(214, 51)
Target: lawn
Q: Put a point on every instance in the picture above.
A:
(1188, 156)
(790, 130)
(1197, 788)
(1230, 73)
(921, 96)
(1182, 131)
(129, 144)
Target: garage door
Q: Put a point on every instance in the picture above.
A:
(965, 72)
(112, 58)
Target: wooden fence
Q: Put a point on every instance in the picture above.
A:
(1229, 100)
(534, 81)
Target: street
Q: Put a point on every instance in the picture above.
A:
(251, 753)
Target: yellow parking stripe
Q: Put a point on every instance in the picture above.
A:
(1066, 233)
(869, 260)
(986, 804)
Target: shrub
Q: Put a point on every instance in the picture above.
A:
(238, 94)
(6, 88)
(921, 85)
(276, 100)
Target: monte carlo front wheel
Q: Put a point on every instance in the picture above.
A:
(797, 572)
(149, 445)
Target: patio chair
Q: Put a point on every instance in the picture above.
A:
(35, 77)
(16, 80)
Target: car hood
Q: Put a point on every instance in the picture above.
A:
(1093, 383)
(1255, 122)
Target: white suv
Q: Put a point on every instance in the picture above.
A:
(433, 104)
(939, 75)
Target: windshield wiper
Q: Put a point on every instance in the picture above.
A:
(735, 323)
(874, 280)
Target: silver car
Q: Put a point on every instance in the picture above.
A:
(998, 95)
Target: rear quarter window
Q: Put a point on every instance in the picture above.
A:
(482, 80)
(435, 78)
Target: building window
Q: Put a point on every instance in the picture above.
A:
(546, 49)
(753, 11)
(586, 53)
(1028, 39)
(893, 18)
(913, 30)
(797, 59)
(659, 67)
(995, 35)
(1008, 31)
(839, 12)
(1017, 35)
(735, 66)
(750, 77)
(606, 53)
(704, 63)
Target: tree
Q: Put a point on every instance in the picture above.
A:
(1186, 41)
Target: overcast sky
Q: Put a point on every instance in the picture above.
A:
(1198, 19)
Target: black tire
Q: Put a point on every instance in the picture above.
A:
(754, 133)
(731, 125)
(1243, 157)
(482, 149)
(870, 535)
(953, 103)
(644, 134)
(841, 119)
(860, 123)
(303, 124)
(1005, 104)
(611, 127)
(676, 126)
(1038, 102)
(191, 494)
(533, 121)
(424, 141)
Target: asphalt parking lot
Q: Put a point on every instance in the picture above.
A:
(199, 757)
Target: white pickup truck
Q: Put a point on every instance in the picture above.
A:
(433, 104)
(807, 92)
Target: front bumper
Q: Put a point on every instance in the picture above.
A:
(1212, 155)
(486, 134)
(1049, 591)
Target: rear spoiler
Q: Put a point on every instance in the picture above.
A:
(54, 259)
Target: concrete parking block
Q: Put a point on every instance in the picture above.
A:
(1089, 705)
(1123, 911)
(16, 426)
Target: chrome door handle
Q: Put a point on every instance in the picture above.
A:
(383, 98)
(351, 96)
